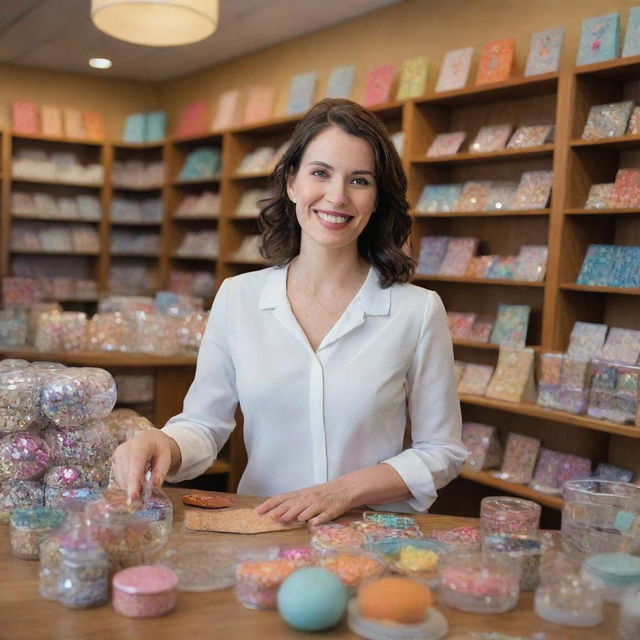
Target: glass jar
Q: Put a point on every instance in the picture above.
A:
(502, 514)
(144, 592)
(569, 600)
(19, 493)
(613, 572)
(28, 526)
(479, 583)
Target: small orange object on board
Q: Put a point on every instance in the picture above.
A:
(208, 502)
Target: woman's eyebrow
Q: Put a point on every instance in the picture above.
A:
(319, 163)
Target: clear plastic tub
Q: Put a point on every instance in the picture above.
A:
(502, 514)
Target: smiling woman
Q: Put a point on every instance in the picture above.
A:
(330, 352)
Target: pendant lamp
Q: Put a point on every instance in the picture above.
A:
(156, 23)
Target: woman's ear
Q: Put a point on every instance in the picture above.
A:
(291, 192)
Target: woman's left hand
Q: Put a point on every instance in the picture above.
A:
(318, 504)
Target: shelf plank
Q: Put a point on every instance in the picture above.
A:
(218, 467)
(421, 277)
(135, 223)
(175, 256)
(133, 254)
(151, 187)
(618, 69)
(196, 181)
(101, 358)
(552, 415)
(601, 212)
(618, 142)
(139, 145)
(250, 176)
(481, 214)
(58, 139)
(520, 87)
(195, 218)
(504, 155)
(58, 183)
(489, 346)
(624, 291)
(205, 136)
(43, 218)
(41, 252)
(489, 480)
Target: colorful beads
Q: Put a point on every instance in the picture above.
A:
(28, 526)
(19, 399)
(352, 568)
(88, 445)
(258, 581)
(144, 592)
(500, 514)
(336, 536)
(23, 456)
(458, 538)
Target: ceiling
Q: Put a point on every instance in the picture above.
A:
(59, 35)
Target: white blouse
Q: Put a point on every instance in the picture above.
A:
(310, 416)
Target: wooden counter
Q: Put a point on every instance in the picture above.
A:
(217, 615)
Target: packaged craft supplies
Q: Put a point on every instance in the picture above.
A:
(513, 378)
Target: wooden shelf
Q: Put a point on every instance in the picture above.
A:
(139, 145)
(618, 69)
(505, 155)
(133, 254)
(59, 183)
(513, 88)
(619, 142)
(101, 358)
(154, 187)
(489, 480)
(506, 213)
(218, 467)
(41, 252)
(601, 212)
(175, 256)
(40, 218)
(135, 223)
(205, 137)
(196, 181)
(421, 277)
(251, 176)
(488, 346)
(551, 415)
(572, 286)
(211, 218)
(58, 139)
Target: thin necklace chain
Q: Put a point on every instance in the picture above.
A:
(335, 314)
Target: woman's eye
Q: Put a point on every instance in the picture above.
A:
(320, 173)
(361, 181)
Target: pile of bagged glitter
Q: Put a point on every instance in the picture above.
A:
(57, 433)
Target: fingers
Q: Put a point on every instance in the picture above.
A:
(160, 463)
(138, 457)
(272, 503)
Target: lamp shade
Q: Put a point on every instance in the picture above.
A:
(157, 23)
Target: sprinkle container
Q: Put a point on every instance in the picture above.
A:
(415, 558)
(62, 498)
(87, 446)
(614, 572)
(332, 537)
(23, 456)
(479, 583)
(569, 600)
(19, 493)
(501, 514)
(629, 624)
(459, 538)
(598, 517)
(28, 526)
(525, 549)
(19, 399)
(144, 592)
(352, 567)
(259, 575)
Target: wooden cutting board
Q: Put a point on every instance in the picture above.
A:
(234, 521)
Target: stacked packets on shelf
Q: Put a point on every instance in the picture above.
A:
(201, 163)
(599, 39)
(192, 282)
(203, 205)
(608, 120)
(145, 127)
(483, 444)
(251, 203)
(608, 265)
(544, 52)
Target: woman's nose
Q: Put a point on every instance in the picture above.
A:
(337, 192)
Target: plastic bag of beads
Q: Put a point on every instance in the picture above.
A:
(19, 493)
(63, 498)
(13, 364)
(74, 476)
(60, 331)
(23, 456)
(89, 445)
(124, 423)
(77, 395)
(13, 328)
(155, 334)
(108, 332)
(19, 399)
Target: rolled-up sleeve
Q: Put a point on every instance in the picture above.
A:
(208, 415)
(436, 453)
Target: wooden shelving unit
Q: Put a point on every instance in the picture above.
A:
(562, 99)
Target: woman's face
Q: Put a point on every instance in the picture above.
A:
(334, 189)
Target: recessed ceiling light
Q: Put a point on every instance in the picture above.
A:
(100, 63)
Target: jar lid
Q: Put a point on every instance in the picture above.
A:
(616, 569)
(145, 580)
(36, 517)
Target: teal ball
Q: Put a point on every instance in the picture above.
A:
(312, 599)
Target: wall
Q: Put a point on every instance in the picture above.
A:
(390, 36)
(113, 98)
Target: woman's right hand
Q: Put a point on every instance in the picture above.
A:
(129, 461)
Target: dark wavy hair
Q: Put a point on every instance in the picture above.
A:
(382, 240)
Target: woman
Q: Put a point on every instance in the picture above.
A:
(328, 353)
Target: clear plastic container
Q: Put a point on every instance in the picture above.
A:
(19, 399)
(88, 446)
(459, 538)
(259, 575)
(570, 601)
(333, 537)
(28, 526)
(524, 548)
(23, 456)
(144, 592)
(629, 621)
(479, 583)
(614, 572)
(416, 558)
(352, 567)
(19, 493)
(501, 514)
(600, 517)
